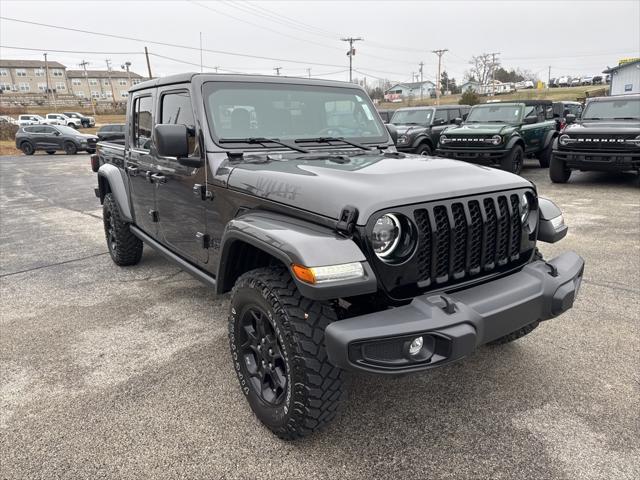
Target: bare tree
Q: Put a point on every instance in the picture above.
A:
(481, 66)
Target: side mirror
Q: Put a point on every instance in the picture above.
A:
(457, 121)
(570, 118)
(530, 120)
(439, 121)
(393, 132)
(57, 134)
(172, 140)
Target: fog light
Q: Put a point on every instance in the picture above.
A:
(416, 346)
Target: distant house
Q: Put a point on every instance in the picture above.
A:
(471, 85)
(401, 91)
(625, 78)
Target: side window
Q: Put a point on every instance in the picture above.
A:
(47, 130)
(142, 122)
(440, 117)
(453, 114)
(176, 109)
(540, 113)
(530, 112)
(30, 129)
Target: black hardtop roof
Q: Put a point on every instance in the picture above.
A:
(573, 102)
(528, 103)
(428, 107)
(228, 77)
(634, 96)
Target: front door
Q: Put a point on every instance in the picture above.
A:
(48, 138)
(181, 205)
(139, 165)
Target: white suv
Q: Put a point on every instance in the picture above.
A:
(30, 120)
(61, 119)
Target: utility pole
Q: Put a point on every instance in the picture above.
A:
(216, 68)
(84, 64)
(277, 69)
(421, 79)
(113, 93)
(493, 72)
(439, 53)
(200, 52)
(549, 79)
(146, 53)
(53, 94)
(309, 72)
(351, 53)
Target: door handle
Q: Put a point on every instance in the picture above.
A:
(157, 178)
(133, 171)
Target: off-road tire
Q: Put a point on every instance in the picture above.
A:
(70, 148)
(314, 389)
(545, 155)
(515, 335)
(424, 149)
(27, 148)
(514, 160)
(558, 171)
(51, 152)
(124, 247)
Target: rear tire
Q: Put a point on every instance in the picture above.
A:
(513, 161)
(545, 155)
(27, 148)
(277, 348)
(124, 247)
(70, 148)
(558, 171)
(527, 329)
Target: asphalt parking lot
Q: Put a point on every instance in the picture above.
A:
(125, 373)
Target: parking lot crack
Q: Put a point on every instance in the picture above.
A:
(53, 264)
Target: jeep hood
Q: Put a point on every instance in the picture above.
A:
(473, 129)
(369, 182)
(605, 127)
(410, 129)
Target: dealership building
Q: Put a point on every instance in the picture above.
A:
(625, 78)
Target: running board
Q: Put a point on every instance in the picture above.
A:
(182, 263)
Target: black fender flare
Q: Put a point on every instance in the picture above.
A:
(516, 139)
(293, 241)
(549, 138)
(423, 138)
(112, 179)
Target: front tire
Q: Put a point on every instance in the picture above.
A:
(558, 171)
(70, 148)
(424, 149)
(277, 347)
(513, 161)
(124, 247)
(545, 155)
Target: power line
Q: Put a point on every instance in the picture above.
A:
(71, 51)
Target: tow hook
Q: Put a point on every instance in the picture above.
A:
(553, 270)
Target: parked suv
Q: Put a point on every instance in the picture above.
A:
(113, 132)
(503, 134)
(61, 119)
(606, 138)
(339, 252)
(85, 121)
(420, 127)
(53, 138)
(30, 120)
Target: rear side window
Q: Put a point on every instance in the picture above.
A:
(453, 114)
(30, 129)
(441, 115)
(142, 122)
(176, 109)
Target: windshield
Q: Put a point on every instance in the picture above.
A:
(613, 109)
(289, 112)
(67, 130)
(412, 117)
(495, 113)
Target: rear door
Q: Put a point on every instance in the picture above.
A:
(139, 163)
(532, 133)
(440, 122)
(181, 203)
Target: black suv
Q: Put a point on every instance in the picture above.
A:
(419, 128)
(113, 132)
(606, 138)
(53, 138)
(503, 134)
(340, 253)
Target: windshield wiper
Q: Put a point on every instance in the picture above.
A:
(262, 141)
(332, 158)
(625, 118)
(331, 139)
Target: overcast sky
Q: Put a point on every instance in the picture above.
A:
(574, 38)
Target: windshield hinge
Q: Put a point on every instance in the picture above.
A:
(347, 221)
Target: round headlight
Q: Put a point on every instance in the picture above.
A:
(525, 209)
(386, 235)
(403, 139)
(564, 139)
(496, 140)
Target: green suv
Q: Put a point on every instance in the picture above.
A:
(503, 134)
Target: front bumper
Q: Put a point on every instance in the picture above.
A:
(455, 324)
(483, 157)
(599, 160)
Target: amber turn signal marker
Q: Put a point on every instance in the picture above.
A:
(303, 274)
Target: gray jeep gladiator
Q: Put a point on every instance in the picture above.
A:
(340, 253)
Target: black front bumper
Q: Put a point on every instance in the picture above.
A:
(453, 325)
(599, 160)
(483, 157)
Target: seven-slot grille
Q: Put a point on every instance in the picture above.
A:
(467, 237)
(604, 142)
